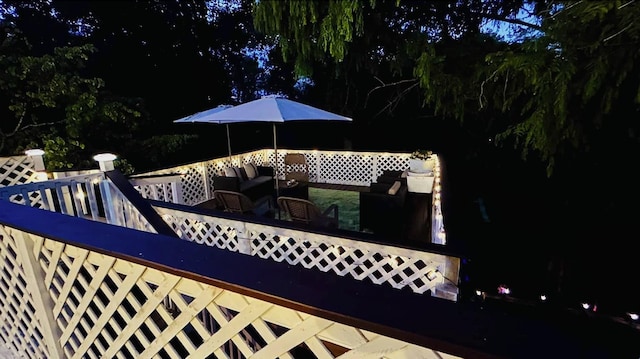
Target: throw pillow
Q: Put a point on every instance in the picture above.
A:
(230, 172)
(394, 189)
(252, 171)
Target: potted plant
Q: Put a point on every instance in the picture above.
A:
(420, 161)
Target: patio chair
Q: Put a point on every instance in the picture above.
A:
(296, 167)
(236, 202)
(307, 212)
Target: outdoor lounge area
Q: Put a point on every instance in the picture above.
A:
(371, 200)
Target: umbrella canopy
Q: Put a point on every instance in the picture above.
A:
(202, 117)
(273, 109)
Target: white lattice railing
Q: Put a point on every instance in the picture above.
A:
(89, 196)
(381, 264)
(60, 300)
(337, 167)
(19, 170)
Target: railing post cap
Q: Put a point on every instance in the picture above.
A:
(101, 157)
(34, 152)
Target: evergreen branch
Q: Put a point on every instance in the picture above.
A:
(396, 99)
(623, 5)
(386, 85)
(512, 21)
(566, 8)
(617, 33)
(481, 96)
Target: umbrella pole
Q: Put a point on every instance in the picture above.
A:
(275, 148)
(229, 144)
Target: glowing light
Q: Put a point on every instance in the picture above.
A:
(104, 157)
(543, 297)
(34, 152)
(478, 292)
(633, 316)
(586, 305)
(503, 289)
(432, 274)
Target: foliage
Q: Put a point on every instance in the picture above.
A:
(150, 63)
(420, 154)
(48, 103)
(552, 93)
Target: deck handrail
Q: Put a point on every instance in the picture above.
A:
(90, 196)
(114, 271)
(87, 289)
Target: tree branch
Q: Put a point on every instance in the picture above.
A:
(512, 21)
(383, 85)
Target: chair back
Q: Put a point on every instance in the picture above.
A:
(234, 202)
(296, 167)
(299, 210)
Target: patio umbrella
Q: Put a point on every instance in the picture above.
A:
(202, 116)
(275, 109)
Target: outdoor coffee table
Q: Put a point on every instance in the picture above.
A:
(297, 189)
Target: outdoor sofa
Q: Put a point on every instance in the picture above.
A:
(254, 185)
(383, 207)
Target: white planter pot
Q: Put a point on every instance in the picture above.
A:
(421, 166)
(419, 182)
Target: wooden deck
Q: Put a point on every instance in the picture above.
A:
(339, 187)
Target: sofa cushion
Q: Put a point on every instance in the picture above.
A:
(238, 172)
(254, 182)
(230, 172)
(251, 170)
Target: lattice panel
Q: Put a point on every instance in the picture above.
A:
(105, 307)
(199, 230)
(392, 162)
(344, 168)
(358, 260)
(34, 197)
(159, 191)
(339, 167)
(21, 327)
(17, 170)
(193, 189)
(381, 264)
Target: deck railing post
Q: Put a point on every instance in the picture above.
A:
(244, 242)
(105, 161)
(38, 163)
(374, 168)
(205, 181)
(176, 190)
(42, 302)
